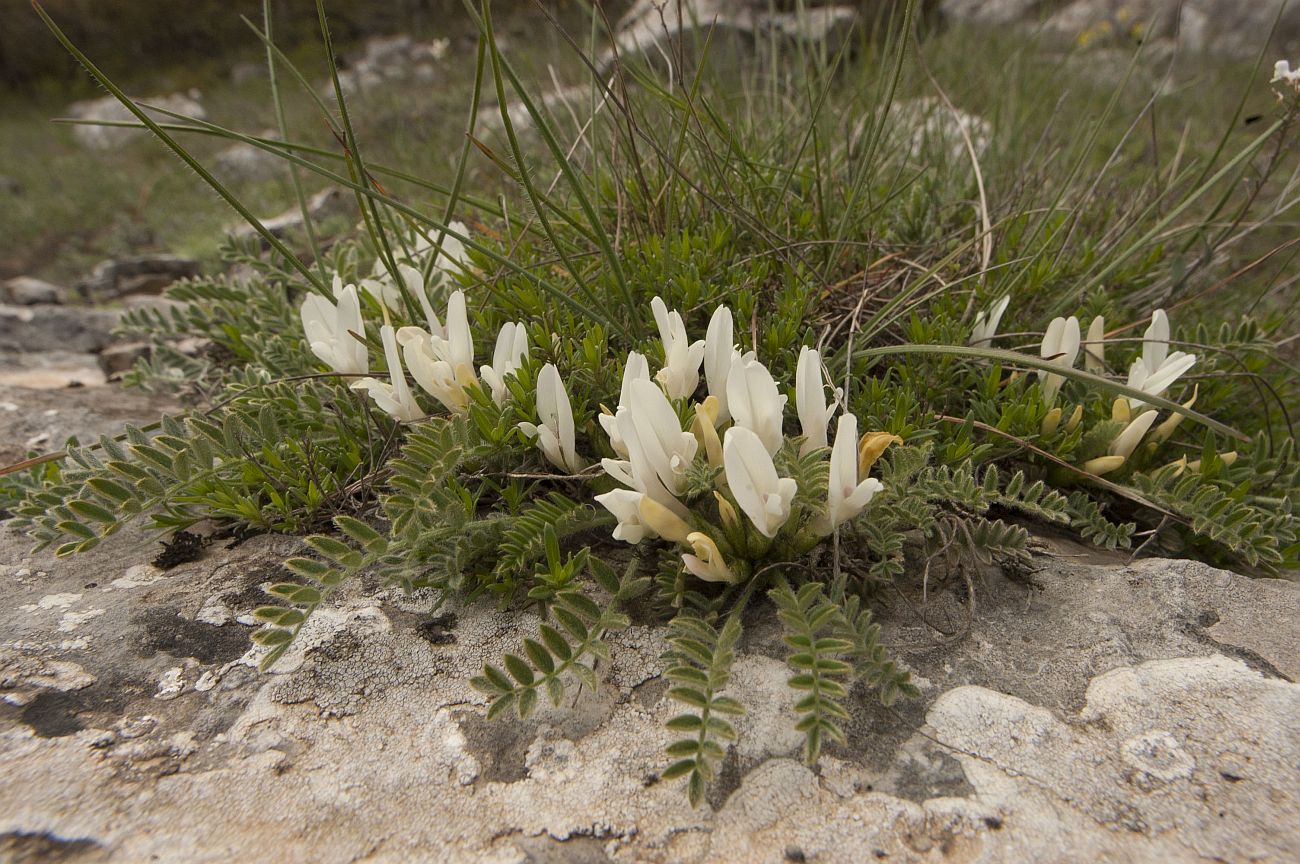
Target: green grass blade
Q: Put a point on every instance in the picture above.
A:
(184, 155)
(1018, 359)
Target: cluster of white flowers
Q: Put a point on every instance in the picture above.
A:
(736, 428)
(440, 357)
(1153, 372)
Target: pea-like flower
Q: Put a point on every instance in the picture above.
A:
(1094, 353)
(1157, 369)
(625, 505)
(443, 367)
(1061, 347)
(755, 402)
(556, 433)
(986, 322)
(681, 373)
(329, 328)
(668, 450)
(507, 357)
(846, 496)
(637, 367)
(762, 495)
(810, 400)
(719, 351)
(394, 396)
(707, 562)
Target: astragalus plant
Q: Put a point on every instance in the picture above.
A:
(723, 335)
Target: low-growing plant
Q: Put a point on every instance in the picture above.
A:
(604, 462)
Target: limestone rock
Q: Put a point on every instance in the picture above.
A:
(990, 11)
(43, 419)
(46, 327)
(326, 204)
(1229, 27)
(385, 60)
(49, 370)
(140, 274)
(28, 291)
(1113, 713)
(109, 109)
(243, 163)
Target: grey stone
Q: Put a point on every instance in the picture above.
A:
(49, 370)
(118, 359)
(28, 291)
(990, 11)
(244, 163)
(1229, 27)
(652, 22)
(385, 60)
(1113, 712)
(107, 108)
(326, 204)
(55, 328)
(43, 419)
(138, 274)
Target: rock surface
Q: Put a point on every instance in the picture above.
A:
(107, 108)
(385, 60)
(27, 291)
(43, 418)
(45, 327)
(1111, 713)
(141, 274)
(1231, 27)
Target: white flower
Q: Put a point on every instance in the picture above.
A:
(1282, 73)
(507, 357)
(681, 373)
(637, 367)
(444, 367)
(555, 435)
(755, 402)
(1060, 342)
(1127, 441)
(810, 400)
(719, 350)
(763, 496)
(1157, 369)
(845, 496)
(707, 562)
(1094, 353)
(452, 260)
(637, 472)
(394, 396)
(986, 323)
(658, 432)
(329, 328)
(625, 505)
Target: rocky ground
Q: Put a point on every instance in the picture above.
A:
(1097, 710)
(1103, 711)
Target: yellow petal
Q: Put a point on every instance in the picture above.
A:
(1102, 465)
(871, 446)
(714, 568)
(1166, 429)
(1073, 422)
(705, 433)
(663, 521)
(730, 518)
(1120, 411)
(1050, 423)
